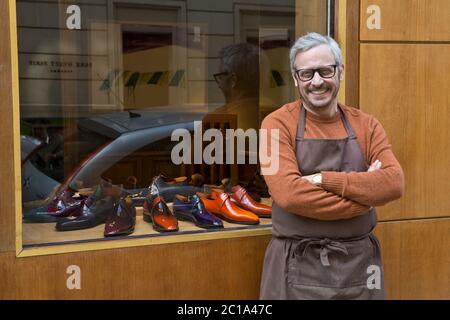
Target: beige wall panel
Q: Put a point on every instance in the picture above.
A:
(196, 270)
(408, 20)
(416, 258)
(406, 88)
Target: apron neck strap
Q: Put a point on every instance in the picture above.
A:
(301, 125)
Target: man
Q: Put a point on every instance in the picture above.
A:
(325, 192)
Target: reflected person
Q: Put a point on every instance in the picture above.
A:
(238, 79)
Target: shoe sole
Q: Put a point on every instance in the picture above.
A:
(268, 216)
(248, 223)
(185, 217)
(69, 228)
(120, 233)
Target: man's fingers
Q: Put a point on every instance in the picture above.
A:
(375, 166)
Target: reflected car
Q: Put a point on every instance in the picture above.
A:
(109, 145)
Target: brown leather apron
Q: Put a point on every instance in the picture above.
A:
(316, 259)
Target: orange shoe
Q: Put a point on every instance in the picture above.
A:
(159, 215)
(242, 199)
(220, 204)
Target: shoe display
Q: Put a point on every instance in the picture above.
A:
(122, 220)
(158, 213)
(62, 205)
(192, 209)
(220, 204)
(95, 210)
(193, 201)
(240, 197)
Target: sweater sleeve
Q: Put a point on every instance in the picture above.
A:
(294, 194)
(370, 188)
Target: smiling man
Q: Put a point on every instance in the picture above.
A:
(336, 165)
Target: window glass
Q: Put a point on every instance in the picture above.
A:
(104, 86)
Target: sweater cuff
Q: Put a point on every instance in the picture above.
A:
(334, 182)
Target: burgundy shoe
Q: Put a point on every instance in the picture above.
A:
(242, 199)
(95, 210)
(122, 220)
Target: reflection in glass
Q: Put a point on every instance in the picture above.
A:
(98, 104)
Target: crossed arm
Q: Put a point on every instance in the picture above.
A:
(382, 183)
(341, 195)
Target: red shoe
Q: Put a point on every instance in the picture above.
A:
(242, 199)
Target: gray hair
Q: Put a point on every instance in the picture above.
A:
(310, 41)
(243, 60)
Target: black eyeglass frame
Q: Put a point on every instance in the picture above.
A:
(217, 75)
(317, 70)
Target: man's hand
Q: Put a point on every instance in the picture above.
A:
(315, 179)
(376, 165)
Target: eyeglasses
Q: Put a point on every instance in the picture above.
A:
(325, 72)
(217, 76)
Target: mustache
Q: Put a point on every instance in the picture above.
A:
(318, 88)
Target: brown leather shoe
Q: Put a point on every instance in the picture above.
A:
(242, 199)
(219, 203)
(158, 213)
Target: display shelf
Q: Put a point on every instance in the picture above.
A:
(42, 235)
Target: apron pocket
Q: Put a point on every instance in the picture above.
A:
(345, 269)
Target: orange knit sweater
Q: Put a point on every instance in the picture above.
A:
(342, 195)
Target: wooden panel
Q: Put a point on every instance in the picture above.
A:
(196, 270)
(416, 258)
(405, 87)
(408, 20)
(7, 195)
(352, 54)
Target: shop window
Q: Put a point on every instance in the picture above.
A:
(105, 84)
